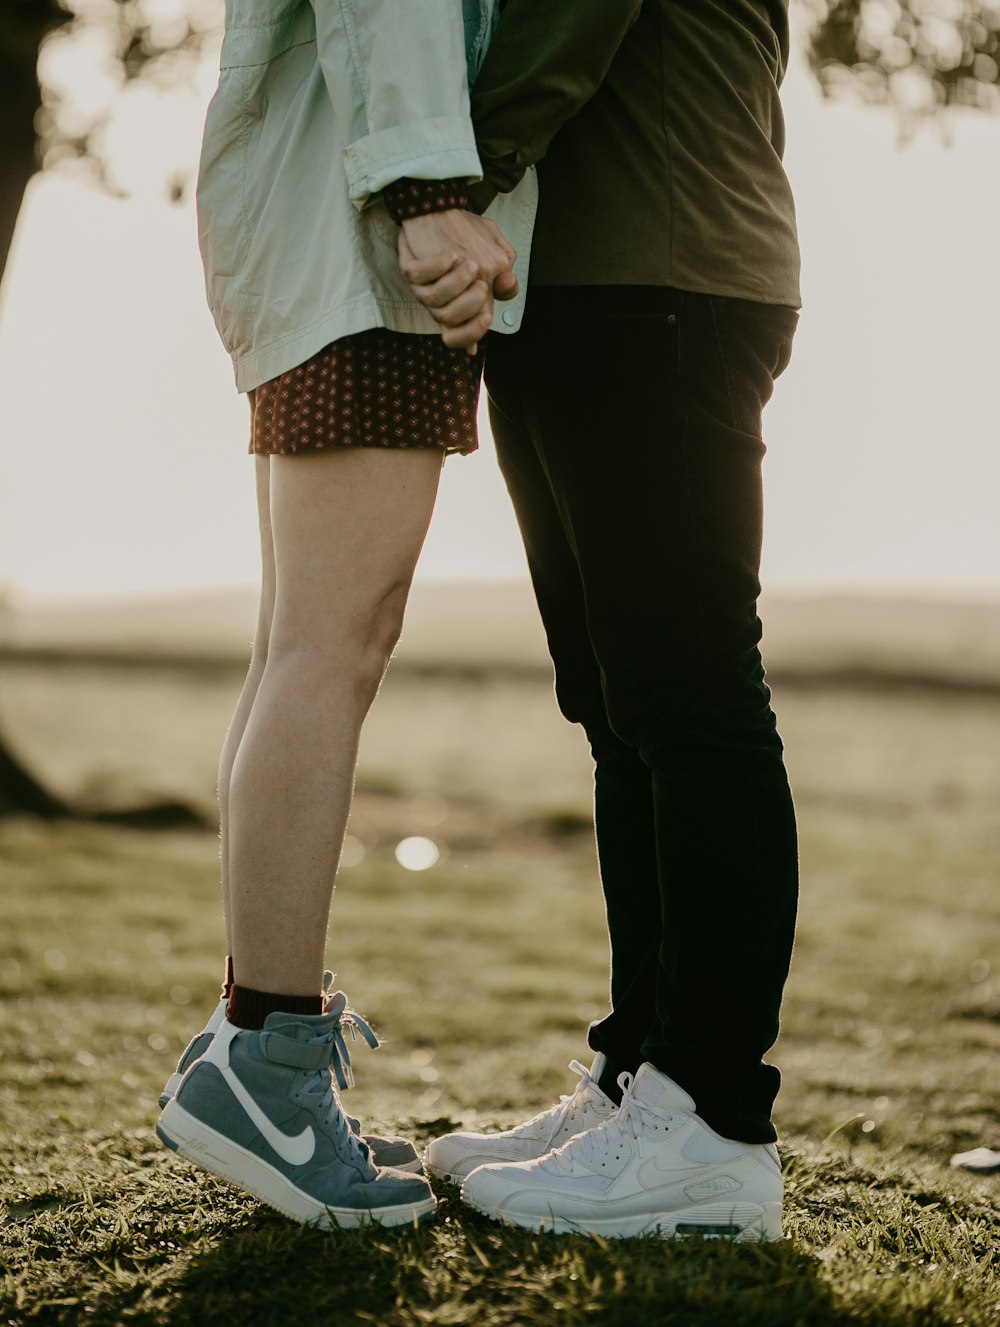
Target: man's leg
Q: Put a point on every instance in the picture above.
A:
(623, 787)
(644, 407)
(623, 812)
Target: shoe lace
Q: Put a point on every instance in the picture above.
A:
(354, 1024)
(347, 1143)
(554, 1117)
(321, 1084)
(632, 1117)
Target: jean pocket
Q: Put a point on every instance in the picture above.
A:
(755, 347)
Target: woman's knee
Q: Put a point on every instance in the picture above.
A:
(347, 647)
(376, 636)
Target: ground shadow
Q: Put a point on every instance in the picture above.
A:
(464, 1269)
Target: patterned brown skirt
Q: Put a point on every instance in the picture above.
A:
(372, 389)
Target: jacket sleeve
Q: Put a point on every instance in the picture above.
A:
(405, 110)
(547, 59)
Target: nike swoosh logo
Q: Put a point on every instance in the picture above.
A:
(296, 1150)
(652, 1176)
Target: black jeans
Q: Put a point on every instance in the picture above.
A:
(628, 428)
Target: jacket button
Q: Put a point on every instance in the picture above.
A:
(508, 318)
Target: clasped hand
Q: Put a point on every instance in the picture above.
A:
(457, 264)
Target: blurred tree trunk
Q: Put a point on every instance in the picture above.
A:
(23, 25)
(19, 103)
(22, 29)
(20, 791)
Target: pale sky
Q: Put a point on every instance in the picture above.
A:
(124, 442)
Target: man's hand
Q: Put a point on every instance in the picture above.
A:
(457, 263)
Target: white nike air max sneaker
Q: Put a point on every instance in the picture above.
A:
(457, 1154)
(655, 1167)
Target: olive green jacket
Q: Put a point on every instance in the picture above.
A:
(658, 133)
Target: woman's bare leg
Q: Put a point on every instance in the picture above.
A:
(347, 530)
(258, 659)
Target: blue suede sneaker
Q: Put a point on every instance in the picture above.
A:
(260, 1109)
(386, 1151)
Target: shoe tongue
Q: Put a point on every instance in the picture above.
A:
(654, 1088)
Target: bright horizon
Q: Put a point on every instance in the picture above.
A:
(125, 443)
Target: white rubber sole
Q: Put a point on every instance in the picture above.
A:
(741, 1223)
(204, 1146)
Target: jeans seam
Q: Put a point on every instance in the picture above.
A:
(689, 503)
(726, 371)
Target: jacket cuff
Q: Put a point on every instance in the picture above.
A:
(440, 148)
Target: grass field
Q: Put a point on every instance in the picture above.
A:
(481, 974)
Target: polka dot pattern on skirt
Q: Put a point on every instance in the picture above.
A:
(374, 389)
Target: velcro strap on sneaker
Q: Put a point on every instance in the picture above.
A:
(296, 1054)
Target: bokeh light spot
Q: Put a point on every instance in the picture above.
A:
(417, 853)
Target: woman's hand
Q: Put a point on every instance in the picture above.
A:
(457, 263)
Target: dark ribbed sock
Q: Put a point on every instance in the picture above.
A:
(227, 980)
(248, 1008)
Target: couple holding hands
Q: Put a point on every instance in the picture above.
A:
(585, 204)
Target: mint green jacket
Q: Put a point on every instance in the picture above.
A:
(321, 104)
